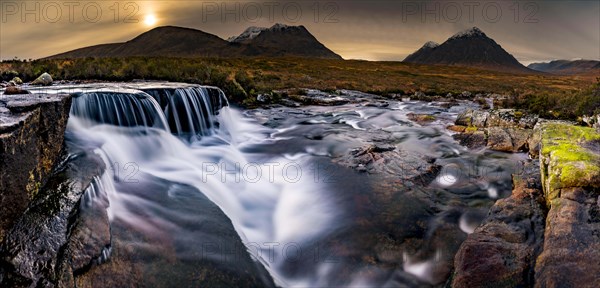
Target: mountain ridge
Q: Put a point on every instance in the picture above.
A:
(174, 41)
(567, 67)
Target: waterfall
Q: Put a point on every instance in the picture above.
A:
(117, 108)
(157, 141)
(190, 111)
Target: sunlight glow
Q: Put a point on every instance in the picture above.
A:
(150, 20)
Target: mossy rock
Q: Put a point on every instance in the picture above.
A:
(568, 160)
(471, 129)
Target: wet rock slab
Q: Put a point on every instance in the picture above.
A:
(32, 248)
(502, 251)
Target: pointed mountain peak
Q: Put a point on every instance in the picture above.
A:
(469, 33)
(470, 48)
(431, 45)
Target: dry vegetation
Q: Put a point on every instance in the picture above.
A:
(242, 79)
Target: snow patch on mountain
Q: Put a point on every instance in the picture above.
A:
(248, 34)
(431, 44)
(472, 32)
(254, 31)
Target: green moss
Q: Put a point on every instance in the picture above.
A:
(571, 174)
(567, 152)
(569, 133)
(427, 118)
(518, 115)
(471, 129)
(567, 163)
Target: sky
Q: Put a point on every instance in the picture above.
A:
(377, 30)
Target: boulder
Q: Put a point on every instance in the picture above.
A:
(457, 128)
(473, 118)
(421, 118)
(419, 95)
(264, 98)
(390, 161)
(17, 81)
(15, 90)
(44, 80)
(499, 140)
(508, 139)
(511, 118)
(319, 98)
(472, 140)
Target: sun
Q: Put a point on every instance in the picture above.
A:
(150, 20)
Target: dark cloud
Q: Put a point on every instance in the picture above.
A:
(374, 30)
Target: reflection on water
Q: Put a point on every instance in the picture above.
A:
(290, 181)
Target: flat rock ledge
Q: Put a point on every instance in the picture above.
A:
(547, 233)
(32, 129)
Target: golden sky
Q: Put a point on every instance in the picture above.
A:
(355, 29)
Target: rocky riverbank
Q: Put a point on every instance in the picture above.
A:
(547, 233)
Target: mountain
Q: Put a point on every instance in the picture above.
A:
(283, 40)
(567, 67)
(421, 53)
(468, 48)
(161, 41)
(248, 34)
(170, 41)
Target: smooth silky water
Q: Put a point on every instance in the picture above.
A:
(309, 220)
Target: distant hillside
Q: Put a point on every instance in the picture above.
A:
(161, 41)
(470, 48)
(566, 67)
(171, 41)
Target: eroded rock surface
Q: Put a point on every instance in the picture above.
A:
(31, 251)
(32, 128)
(502, 251)
(570, 161)
(546, 237)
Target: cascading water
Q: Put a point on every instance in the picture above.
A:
(307, 219)
(190, 111)
(265, 210)
(118, 108)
